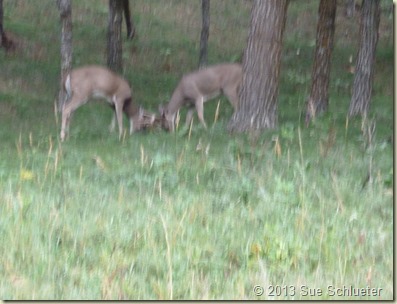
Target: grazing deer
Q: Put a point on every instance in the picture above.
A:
(138, 117)
(196, 88)
(88, 82)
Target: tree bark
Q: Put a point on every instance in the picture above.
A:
(5, 42)
(65, 11)
(2, 34)
(114, 47)
(318, 100)
(365, 63)
(128, 21)
(258, 96)
(205, 9)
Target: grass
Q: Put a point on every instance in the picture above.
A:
(199, 215)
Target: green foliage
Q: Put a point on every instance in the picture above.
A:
(195, 214)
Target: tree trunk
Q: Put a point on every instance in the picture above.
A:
(128, 21)
(65, 11)
(318, 100)
(2, 34)
(205, 9)
(365, 63)
(5, 42)
(258, 96)
(114, 47)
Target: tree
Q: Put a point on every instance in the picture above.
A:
(128, 21)
(65, 11)
(205, 9)
(261, 68)
(4, 40)
(2, 33)
(114, 45)
(364, 72)
(318, 100)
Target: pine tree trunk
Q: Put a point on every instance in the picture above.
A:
(257, 108)
(205, 9)
(114, 47)
(318, 100)
(364, 72)
(65, 11)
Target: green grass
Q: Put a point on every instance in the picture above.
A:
(204, 215)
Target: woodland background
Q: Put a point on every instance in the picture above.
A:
(200, 215)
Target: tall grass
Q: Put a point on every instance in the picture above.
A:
(195, 214)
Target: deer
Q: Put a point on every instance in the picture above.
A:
(139, 118)
(89, 82)
(198, 87)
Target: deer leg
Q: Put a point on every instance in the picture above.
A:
(171, 122)
(131, 125)
(65, 124)
(232, 95)
(119, 115)
(200, 110)
(67, 111)
(189, 116)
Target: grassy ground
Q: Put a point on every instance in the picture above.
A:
(203, 215)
